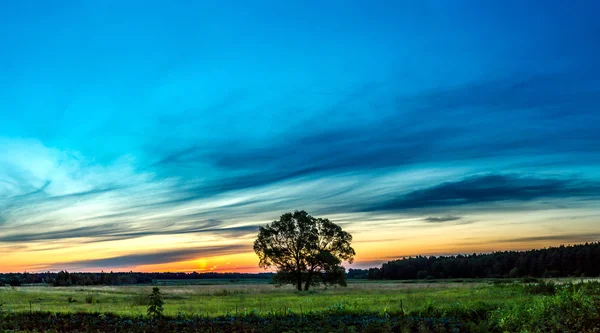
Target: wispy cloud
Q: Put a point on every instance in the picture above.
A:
(442, 219)
(568, 238)
(490, 188)
(110, 232)
(419, 129)
(150, 258)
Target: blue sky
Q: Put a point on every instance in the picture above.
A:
(153, 135)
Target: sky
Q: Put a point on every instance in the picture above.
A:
(158, 135)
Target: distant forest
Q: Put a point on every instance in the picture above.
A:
(564, 261)
(64, 278)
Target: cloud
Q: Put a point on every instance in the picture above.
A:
(572, 238)
(466, 122)
(114, 231)
(151, 258)
(487, 189)
(442, 219)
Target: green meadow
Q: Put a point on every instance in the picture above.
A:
(261, 298)
(482, 306)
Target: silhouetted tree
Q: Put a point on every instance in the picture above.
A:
(305, 250)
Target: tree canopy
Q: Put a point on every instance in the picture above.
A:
(305, 250)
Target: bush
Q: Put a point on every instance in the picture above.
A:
(90, 299)
(541, 288)
(565, 312)
(589, 287)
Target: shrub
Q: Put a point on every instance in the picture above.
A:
(589, 287)
(90, 299)
(541, 288)
(567, 311)
(155, 308)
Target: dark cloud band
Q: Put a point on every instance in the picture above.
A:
(158, 257)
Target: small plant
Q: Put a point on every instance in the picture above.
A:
(90, 299)
(155, 308)
(70, 299)
(181, 315)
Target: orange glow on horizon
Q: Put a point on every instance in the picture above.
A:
(401, 239)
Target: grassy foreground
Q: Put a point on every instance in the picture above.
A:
(376, 307)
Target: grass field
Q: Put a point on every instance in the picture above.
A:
(215, 300)
(497, 303)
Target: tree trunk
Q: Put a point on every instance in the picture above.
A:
(307, 284)
(299, 285)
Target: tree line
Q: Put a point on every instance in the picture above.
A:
(64, 278)
(564, 261)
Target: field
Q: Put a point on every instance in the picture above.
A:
(443, 306)
(215, 300)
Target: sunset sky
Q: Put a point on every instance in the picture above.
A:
(158, 135)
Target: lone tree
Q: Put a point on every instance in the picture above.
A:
(305, 250)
